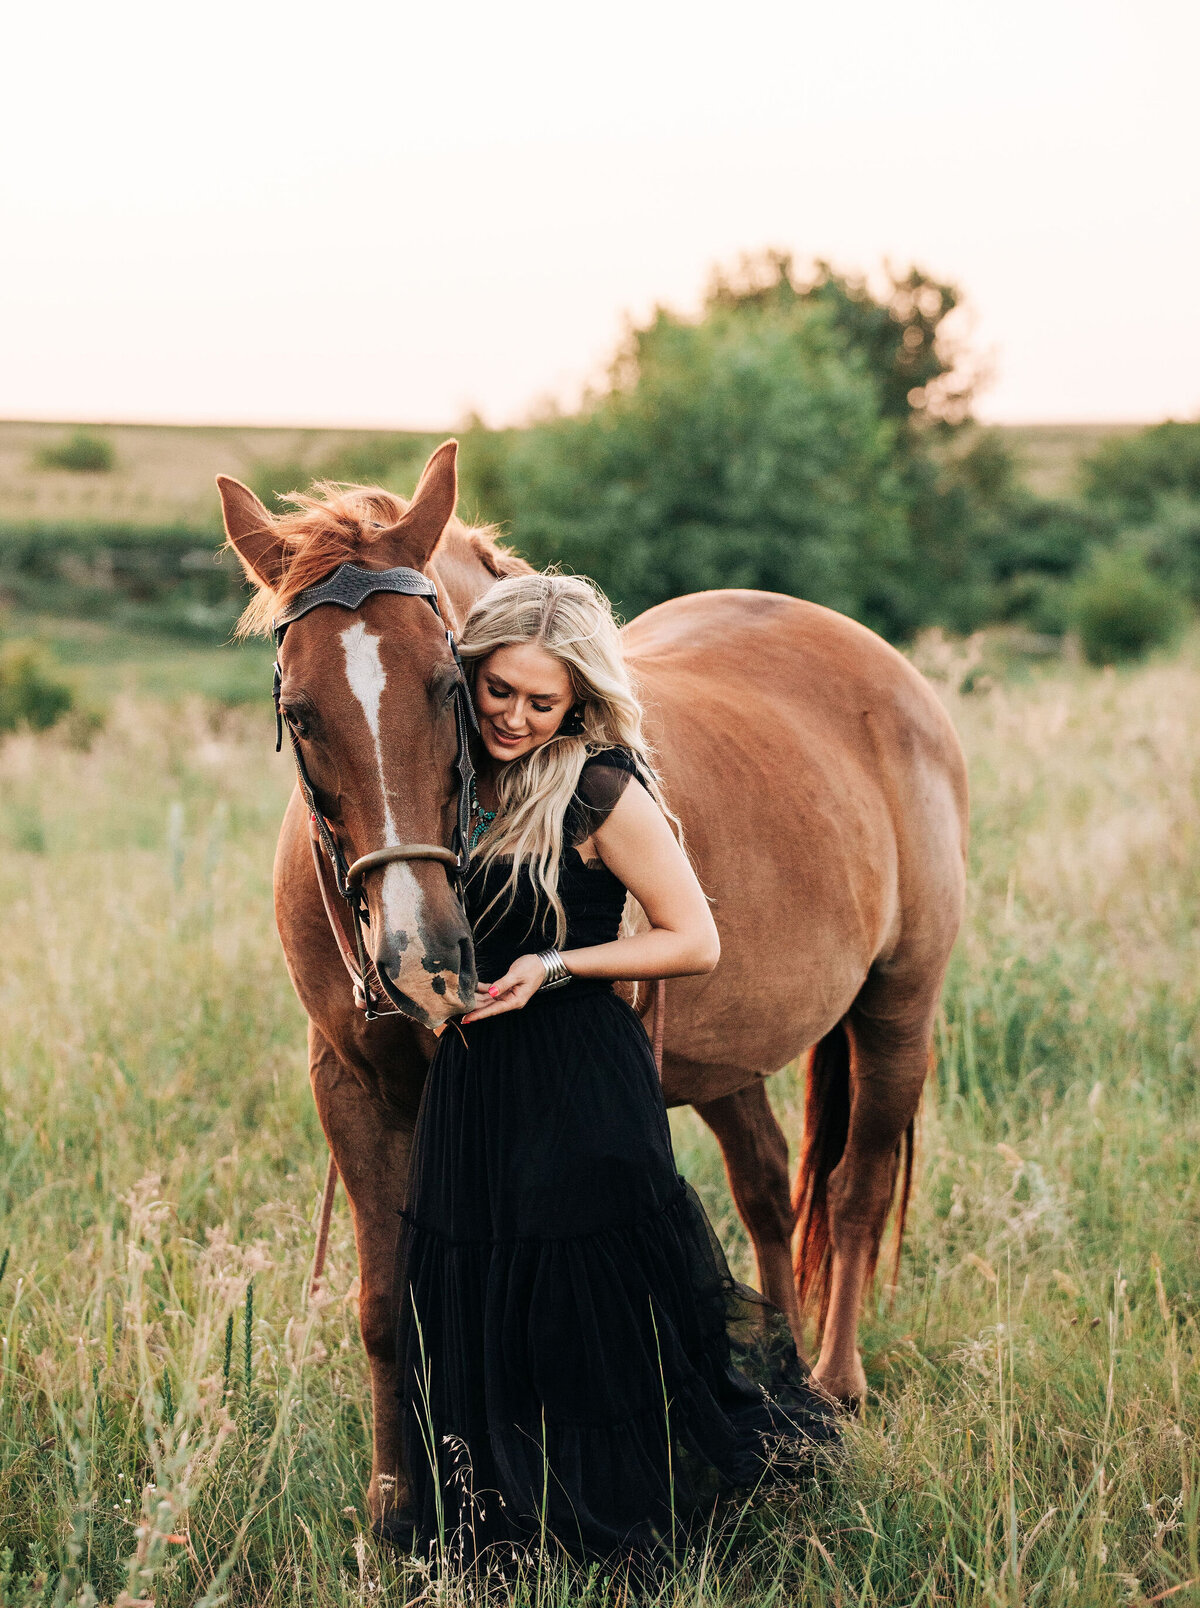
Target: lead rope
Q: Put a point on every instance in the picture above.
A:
(318, 1267)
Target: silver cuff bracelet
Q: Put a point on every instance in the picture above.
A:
(554, 967)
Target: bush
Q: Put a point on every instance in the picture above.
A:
(143, 577)
(82, 452)
(1171, 543)
(1133, 473)
(1121, 609)
(30, 694)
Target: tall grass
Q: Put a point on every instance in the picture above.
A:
(178, 1425)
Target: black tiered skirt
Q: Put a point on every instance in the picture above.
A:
(577, 1361)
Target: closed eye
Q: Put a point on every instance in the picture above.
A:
(298, 720)
(501, 689)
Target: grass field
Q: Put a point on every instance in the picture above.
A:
(163, 474)
(176, 1427)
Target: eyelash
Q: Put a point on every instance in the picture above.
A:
(497, 692)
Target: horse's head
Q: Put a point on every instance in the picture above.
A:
(369, 694)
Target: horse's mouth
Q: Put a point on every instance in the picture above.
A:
(443, 1000)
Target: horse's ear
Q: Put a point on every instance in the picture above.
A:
(418, 533)
(251, 532)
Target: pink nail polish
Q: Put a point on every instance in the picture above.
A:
(493, 991)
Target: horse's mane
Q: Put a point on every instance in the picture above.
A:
(333, 524)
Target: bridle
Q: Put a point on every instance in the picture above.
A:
(349, 587)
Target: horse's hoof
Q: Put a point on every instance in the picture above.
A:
(846, 1388)
(396, 1528)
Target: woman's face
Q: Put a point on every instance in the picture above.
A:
(521, 695)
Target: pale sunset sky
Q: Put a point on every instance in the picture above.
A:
(389, 214)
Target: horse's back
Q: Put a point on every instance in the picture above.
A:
(821, 786)
(794, 653)
(807, 682)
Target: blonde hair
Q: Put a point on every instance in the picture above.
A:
(570, 618)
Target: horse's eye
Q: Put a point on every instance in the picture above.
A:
(297, 721)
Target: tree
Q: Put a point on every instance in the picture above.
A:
(1135, 474)
(900, 334)
(747, 448)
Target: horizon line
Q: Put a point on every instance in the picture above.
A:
(215, 423)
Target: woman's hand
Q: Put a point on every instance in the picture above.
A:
(508, 993)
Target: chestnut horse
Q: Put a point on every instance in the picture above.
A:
(823, 794)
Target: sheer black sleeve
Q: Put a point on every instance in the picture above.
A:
(603, 779)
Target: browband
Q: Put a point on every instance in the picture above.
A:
(349, 586)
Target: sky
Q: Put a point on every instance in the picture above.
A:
(379, 213)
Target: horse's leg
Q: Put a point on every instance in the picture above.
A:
(371, 1147)
(756, 1164)
(889, 1040)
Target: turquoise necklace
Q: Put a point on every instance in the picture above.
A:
(486, 817)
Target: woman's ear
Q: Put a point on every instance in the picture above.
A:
(572, 722)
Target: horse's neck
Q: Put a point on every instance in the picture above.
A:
(461, 575)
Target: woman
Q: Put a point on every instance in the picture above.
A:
(565, 1313)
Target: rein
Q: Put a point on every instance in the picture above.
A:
(349, 587)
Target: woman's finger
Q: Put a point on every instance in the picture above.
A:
(489, 996)
(513, 1001)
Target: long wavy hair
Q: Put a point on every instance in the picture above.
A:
(570, 618)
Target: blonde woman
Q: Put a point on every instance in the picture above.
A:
(564, 1331)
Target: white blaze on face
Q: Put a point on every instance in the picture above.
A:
(367, 678)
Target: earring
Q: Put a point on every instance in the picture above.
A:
(572, 722)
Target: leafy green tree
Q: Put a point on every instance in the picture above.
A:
(807, 434)
(1148, 486)
(743, 449)
(900, 333)
(923, 386)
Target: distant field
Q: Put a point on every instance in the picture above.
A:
(1049, 454)
(164, 473)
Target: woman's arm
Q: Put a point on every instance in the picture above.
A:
(638, 846)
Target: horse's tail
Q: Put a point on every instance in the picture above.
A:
(826, 1126)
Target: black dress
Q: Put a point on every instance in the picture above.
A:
(575, 1357)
